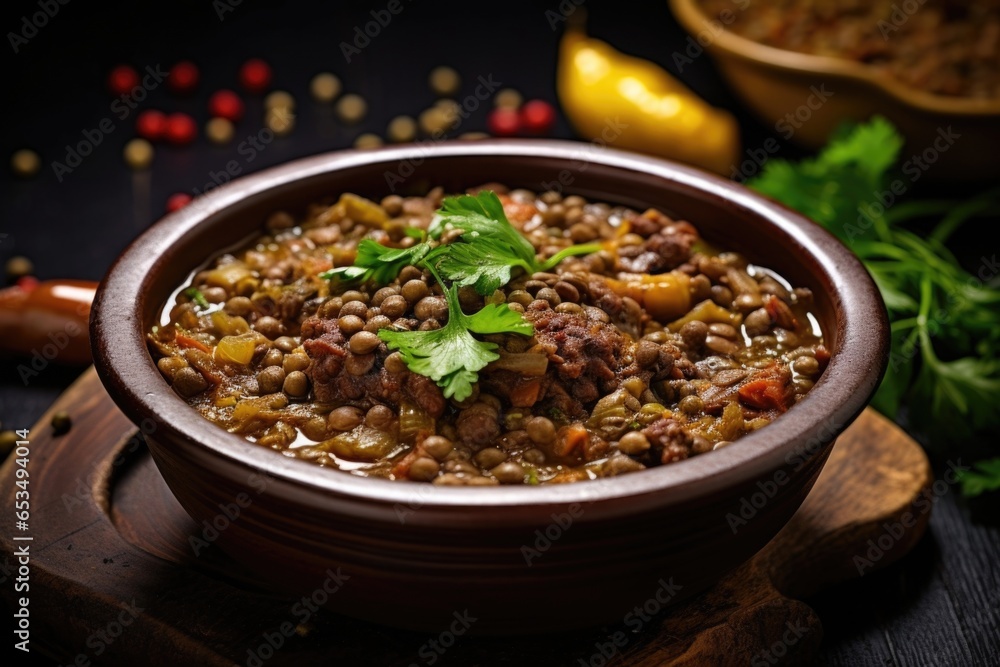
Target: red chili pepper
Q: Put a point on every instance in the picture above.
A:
(180, 128)
(226, 104)
(183, 78)
(49, 320)
(151, 124)
(503, 122)
(255, 75)
(177, 201)
(122, 79)
(538, 117)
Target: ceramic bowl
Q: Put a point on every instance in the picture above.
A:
(525, 559)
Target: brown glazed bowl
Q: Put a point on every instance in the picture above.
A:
(959, 135)
(526, 559)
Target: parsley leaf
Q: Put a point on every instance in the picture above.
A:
(486, 264)
(984, 476)
(199, 299)
(378, 264)
(451, 356)
(490, 248)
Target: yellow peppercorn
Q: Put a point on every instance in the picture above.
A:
(352, 108)
(368, 140)
(25, 163)
(219, 131)
(138, 154)
(279, 99)
(325, 87)
(444, 80)
(281, 121)
(508, 98)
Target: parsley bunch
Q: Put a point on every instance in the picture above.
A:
(945, 321)
(485, 254)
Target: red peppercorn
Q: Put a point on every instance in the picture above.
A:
(180, 128)
(122, 79)
(538, 117)
(183, 77)
(27, 283)
(255, 75)
(177, 201)
(503, 122)
(225, 104)
(151, 124)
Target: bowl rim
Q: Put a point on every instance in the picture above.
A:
(126, 368)
(694, 20)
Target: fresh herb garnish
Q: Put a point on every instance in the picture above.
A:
(450, 355)
(199, 299)
(486, 252)
(489, 247)
(945, 321)
(984, 476)
(378, 264)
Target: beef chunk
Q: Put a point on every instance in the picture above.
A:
(332, 383)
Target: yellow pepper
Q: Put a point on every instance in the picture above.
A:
(634, 104)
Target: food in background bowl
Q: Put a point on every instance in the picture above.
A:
(943, 47)
(484, 339)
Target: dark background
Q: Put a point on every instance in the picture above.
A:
(940, 606)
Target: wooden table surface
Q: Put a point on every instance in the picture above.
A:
(939, 606)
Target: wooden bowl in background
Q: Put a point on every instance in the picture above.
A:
(776, 82)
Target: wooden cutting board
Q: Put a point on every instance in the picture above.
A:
(114, 580)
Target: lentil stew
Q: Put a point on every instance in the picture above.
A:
(650, 348)
(943, 47)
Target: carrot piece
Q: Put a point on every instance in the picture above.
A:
(526, 394)
(187, 341)
(573, 439)
(402, 468)
(769, 392)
